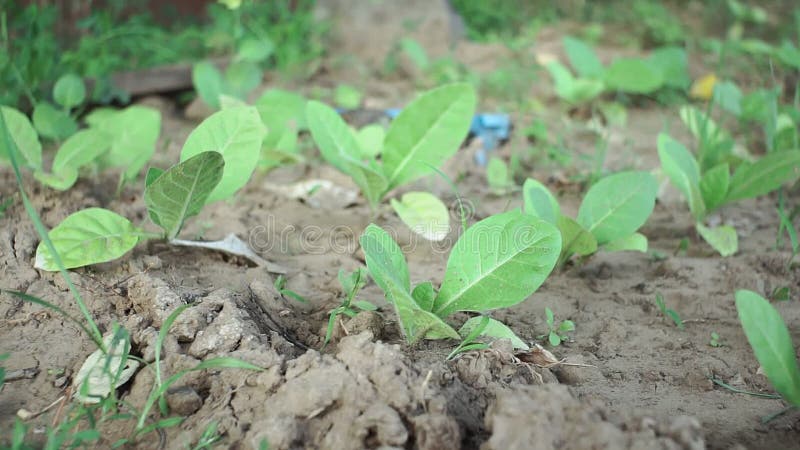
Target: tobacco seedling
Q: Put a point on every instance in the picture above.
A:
(425, 134)
(707, 182)
(611, 212)
(669, 312)
(351, 284)
(665, 67)
(497, 263)
(771, 343)
(114, 139)
(55, 122)
(557, 331)
(284, 115)
(217, 160)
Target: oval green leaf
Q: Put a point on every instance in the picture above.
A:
(69, 91)
(53, 123)
(683, 171)
(575, 240)
(90, 236)
(424, 214)
(494, 328)
(339, 147)
(181, 191)
(497, 263)
(133, 133)
(714, 186)
(236, 134)
(722, 238)
(636, 242)
(583, 58)
(634, 76)
(771, 343)
(24, 136)
(80, 149)
(427, 132)
(765, 175)
(618, 205)
(207, 81)
(539, 201)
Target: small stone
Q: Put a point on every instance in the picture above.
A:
(152, 262)
(183, 400)
(366, 321)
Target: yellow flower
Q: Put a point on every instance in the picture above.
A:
(703, 87)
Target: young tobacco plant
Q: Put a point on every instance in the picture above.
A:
(217, 160)
(425, 134)
(611, 212)
(498, 262)
(771, 343)
(707, 181)
(351, 284)
(123, 138)
(557, 332)
(56, 122)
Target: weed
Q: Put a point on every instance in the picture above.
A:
(557, 332)
(669, 312)
(715, 340)
(351, 284)
(279, 284)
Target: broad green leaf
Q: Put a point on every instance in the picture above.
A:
(618, 205)
(69, 91)
(388, 268)
(208, 83)
(255, 50)
(582, 58)
(133, 133)
(722, 238)
(339, 147)
(786, 134)
(80, 149)
(90, 236)
(241, 77)
(634, 76)
(24, 136)
(494, 328)
(572, 90)
(497, 175)
(97, 116)
(683, 171)
(235, 133)
(181, 191)
(53, 123)
(424, 214)
(575, 239)
(635, 242)
(715, 144)
(283, 113)
(427, 132)
(423, 294)
(728, 97)
(60, 181)
(764, 176)
(714, 186)
(673, 65)
(771, 343)
(370, 140)
(498, 262)
(228, 102)
(539, 202)
(152, 174)
(347, 96)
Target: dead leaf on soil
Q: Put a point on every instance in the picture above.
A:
(317, 193)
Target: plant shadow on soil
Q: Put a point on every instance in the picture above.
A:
(647, 384)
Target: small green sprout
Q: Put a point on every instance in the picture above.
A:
(558, 332)
(781, 294)
(279, 284)
(715, 340)
(351, 284)
(671, 313)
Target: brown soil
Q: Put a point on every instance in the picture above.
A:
(646, 383)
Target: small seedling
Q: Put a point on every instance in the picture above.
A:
(715, 340)
(123, 139)
(98, 235)
(557, 331)
(57, 122)
(279, 284)
(470, 339)
(425, 134)
(498, 262)
(781, 294)
(611, 212)
(671, 313)
(787, 226)
(771, 343)
(351, 284)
